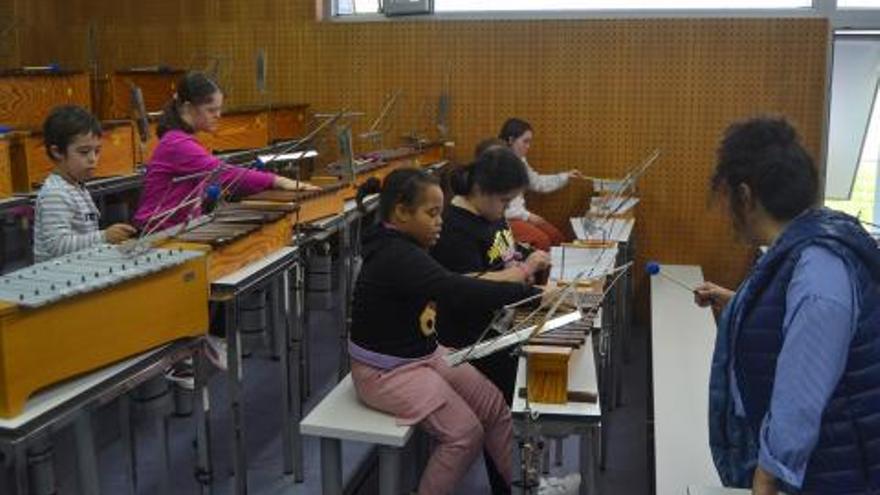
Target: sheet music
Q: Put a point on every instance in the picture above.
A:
(612, 186)
(288, 157)
(597, 229)
(568, 261)
(617, 204)
(504, 341)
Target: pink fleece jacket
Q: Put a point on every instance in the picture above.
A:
(178, 154)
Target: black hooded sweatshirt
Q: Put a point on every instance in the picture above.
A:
(396, 291)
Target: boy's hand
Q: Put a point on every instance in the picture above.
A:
(119, 232)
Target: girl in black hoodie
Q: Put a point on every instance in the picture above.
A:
(396, 365)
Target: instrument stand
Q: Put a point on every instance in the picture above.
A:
(531, 448)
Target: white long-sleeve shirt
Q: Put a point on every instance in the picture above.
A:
(66, 219)
(516, 210)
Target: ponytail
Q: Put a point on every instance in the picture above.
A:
(402, 186)
(512, 129)
(497, 170)
(195, 88)
(371, 186)
(459, 180)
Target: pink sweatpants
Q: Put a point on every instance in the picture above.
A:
(458, 407)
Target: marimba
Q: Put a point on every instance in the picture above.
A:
(330, 200)
(236, 235)
(85, 310)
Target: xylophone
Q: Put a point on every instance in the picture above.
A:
(330, 200)
(235, 235)
(381, 163)
(506, 340)
(85, 310)
(548, 354)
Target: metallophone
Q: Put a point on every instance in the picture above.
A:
(548, 346)
(381, 163)
(82, 311)
(238, 234)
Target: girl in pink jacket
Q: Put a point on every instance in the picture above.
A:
(195, 108)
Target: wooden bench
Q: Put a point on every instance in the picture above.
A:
(341, 416)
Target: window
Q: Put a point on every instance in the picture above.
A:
(353, 7)
(854, 128)
(858, 4)
(862, 202)
(508, 5)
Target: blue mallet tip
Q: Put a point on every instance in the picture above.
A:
(213, 192)
(652, 267)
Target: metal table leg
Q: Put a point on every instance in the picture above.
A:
(21, 470)
(545, 456)
(38, 477)
(559, 444)
(587, 459)
(597, 442)
(389, 470)
(86, 461)
(301, 320)
(279, 327)
(294, 356)
(201, 415)
(128, 442)
(331, 466)
(164, 453)
(234, 382)
(618, 342)
(345, 296)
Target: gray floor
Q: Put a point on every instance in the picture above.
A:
(626, 472)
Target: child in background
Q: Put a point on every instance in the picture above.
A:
(529, 227)
(66, 218)
(396, 364)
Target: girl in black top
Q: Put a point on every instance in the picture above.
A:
(396, 364)
(477, 241)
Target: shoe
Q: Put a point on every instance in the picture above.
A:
(181, 374)
(216, 351)
(563, 485)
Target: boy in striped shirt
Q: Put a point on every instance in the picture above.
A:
(66, 218)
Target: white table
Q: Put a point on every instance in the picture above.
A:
(682, 341)
(71, 402)
(573, 418)
(275, 272)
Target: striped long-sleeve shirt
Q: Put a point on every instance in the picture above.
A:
(66, 219)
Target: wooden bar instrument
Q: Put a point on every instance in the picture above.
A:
(88, 309)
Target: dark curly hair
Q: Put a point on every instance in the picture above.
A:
(765, 154)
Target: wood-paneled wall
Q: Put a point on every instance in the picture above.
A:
(601, 93)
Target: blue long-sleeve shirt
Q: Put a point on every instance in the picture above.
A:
(820, 320)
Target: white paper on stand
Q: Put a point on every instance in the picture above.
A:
(597, 229)
(618, 205)
(569, 261)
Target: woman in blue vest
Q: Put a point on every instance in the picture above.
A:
(794, 399)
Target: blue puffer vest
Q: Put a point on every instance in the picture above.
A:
(846, 459)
